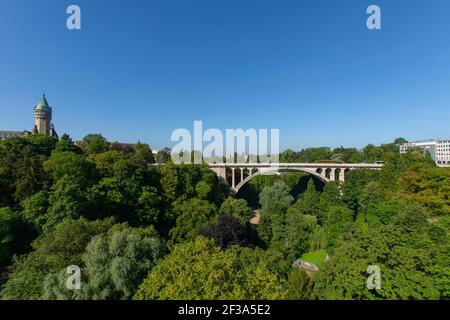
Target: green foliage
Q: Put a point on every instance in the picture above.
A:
(276, 198)
(104, 162)
(68, 164)
(400, 141)
(94, 143)
(412, 267)
(316, 257)
(192, 215)
(331, 196)
(182, 182)
(53, 251)
(66, 145)
(13, 235)
(228, 231)
(35, 209)
(28, 175)
(237, 208)
(346, 155)
(318, 238)
(109, 198)
(396, 217)
(413, 160)
(355, 182)
(384, 213)
(151, 206)
(252, 190)
(21, 172)
(201, 270)
(429, 187)
(203, 190)
(275, 201)
(372, 194)
(163, 156)
(143, 155)
(338, 226)
(299, 286)
(42, 144)
(311, 155)
(114, 264)
(297, 234)
(307, 155)
(309, 202)
(67, 200)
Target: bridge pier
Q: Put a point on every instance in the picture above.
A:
(323, 173)
(221, 173)
(342, 175)
(233, 178)
(332, 175)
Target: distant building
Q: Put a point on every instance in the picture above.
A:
(42, 122)
(438, 149)
(12, 134)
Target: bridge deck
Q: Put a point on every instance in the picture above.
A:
(298, 165)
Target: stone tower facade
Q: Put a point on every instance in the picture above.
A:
(43, 117)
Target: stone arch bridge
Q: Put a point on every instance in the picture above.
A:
(241, 173)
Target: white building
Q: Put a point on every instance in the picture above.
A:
(438, 149)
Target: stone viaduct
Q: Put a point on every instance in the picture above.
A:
(241, 173)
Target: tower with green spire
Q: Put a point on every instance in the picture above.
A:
(43, 117)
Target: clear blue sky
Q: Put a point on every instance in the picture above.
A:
(139, 69)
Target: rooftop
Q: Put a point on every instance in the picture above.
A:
(11, 134)
(43, 104)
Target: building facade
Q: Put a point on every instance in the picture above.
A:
(42, 122)
(438, 149)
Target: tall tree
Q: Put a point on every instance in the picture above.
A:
(53, 251)
(237, 208)
(228, 231)
(202, 270)
(275, 200)
(114, 265)
(411, 265)
(300, 286)
(192, 215)
(338, 225)
(309, 202)
(94, 143)
(14, 235)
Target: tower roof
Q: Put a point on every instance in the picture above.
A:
(43, 104)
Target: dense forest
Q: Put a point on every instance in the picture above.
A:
(139, 231)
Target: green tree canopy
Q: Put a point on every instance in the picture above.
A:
(52, 251)
(114, 264)
(14, 235)
(94, 143)
(200, 270)
(192, 215)
(275, 200)
(228, 231)
(412, 267)
(237, 208)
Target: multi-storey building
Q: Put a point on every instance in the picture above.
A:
(438, 149)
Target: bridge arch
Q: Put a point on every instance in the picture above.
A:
(272, 170)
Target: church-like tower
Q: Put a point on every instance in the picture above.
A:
(43, 117)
